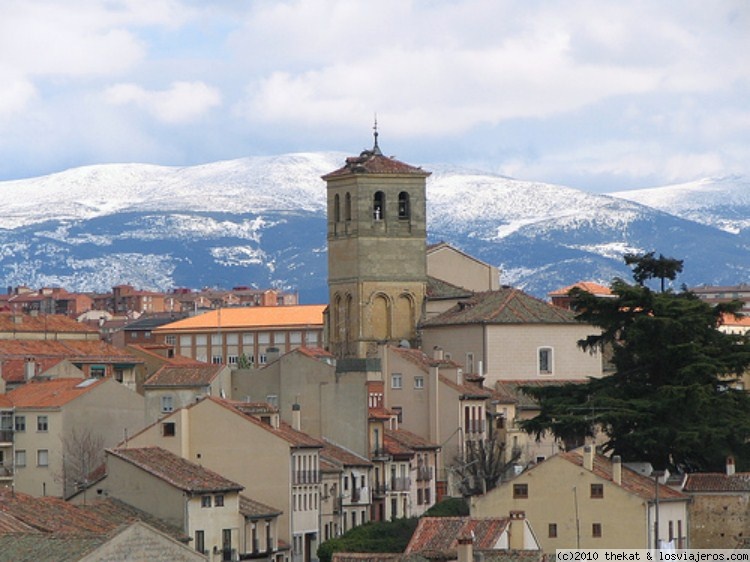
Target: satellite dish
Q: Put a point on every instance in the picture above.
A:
(405, 344)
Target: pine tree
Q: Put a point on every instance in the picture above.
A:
(673, 398)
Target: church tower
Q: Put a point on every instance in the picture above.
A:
(377, 269)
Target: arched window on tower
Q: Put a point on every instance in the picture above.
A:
(403, 205)
(336, 209)
(348, 206)
(378, 206)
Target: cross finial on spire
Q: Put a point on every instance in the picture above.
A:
(376, 148)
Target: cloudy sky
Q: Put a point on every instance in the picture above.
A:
(599, 95)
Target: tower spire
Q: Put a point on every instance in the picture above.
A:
(376, 148)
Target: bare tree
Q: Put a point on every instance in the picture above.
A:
(482, 466)
(83, 453)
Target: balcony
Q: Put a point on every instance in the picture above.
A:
(306, 477)
(379, 454)
(424, 473)
(6, 436)
(400, 484)
(379, 490)
(6, 471)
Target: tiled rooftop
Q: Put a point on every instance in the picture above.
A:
(632, 482)
(53, 393)
(338, 455)
(175, 470)
(591, 287)
(410, 440)
(505, 306)
(717, 482)
(373, 162)
(15, 322)
(250, 317)
(255, 509)
(421, 359)
(77, 351)
(435, 535)
(184, 375)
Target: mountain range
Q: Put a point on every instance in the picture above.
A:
(260, 221)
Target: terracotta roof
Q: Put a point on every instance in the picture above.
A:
(51, 515)
(5, 402)
(728, 319)
(411, 440)
(438, 289)
(11, 524)
(591, 287)
(396, 448)
(435, 535)
(340, 456)
(16, 322)
(77, 351)
(184, 375)
(53, 393)
(632, 481)
(175, 470)
(314, 352)
(373, 162)
(504, 306)
(46, 547)
(250, 317)
(466, 390)
(329, 467)
(14, 370)
(117, 513)
(717, 482)
(174, 360)
(251, 508)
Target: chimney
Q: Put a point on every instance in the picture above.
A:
(465, 547)
(437, 353)
(730, 466)
(588, 457)
(517, 530)
(617, 470)
(29, 369)
(296, 417)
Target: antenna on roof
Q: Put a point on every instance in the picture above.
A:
(376, 148)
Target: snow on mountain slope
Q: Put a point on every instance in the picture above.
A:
(722, 202)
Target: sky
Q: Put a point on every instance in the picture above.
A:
(601, 95)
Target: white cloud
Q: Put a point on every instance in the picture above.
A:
(183, 102)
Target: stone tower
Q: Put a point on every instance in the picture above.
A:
(376, 252)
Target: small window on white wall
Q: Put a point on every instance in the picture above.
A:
(396, 380)
(545, 360)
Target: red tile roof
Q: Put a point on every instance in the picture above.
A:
(717, 482)
(728, 319)
(175, 470)
(467, 389)
(340, 456)
(373, 162)
(421, 359)
(396, 448)
(14, 370)
(77, 351)
(632, 481)
(435, 535)
(254, 509)
(53, 393)
(410, 440)
(184, 375)
(49, 323)
(591, 287)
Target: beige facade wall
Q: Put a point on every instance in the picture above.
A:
(141, 542)
(559, 494)
(34, 479)
(247, 453)
(452, 266)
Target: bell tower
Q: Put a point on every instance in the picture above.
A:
(377, 236)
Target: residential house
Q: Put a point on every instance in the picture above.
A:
(6, 438)
(442, 538)
(275, 463)
(507, 334)
(581, 499)
(175, 386)
(140, 330)
(204, 504)
(152, 358)
(61, 427)
(246, 335)
(51, 530)
(345, 499)
(126, 298)
(49, 300)
(717, 294)
(18, 326)
(720, 508)
(23, 360)
(422, 468)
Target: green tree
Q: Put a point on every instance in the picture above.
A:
(384, 536)
(646, 266)
(671, 399)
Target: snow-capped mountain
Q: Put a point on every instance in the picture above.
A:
(261, 221)
(723, 202)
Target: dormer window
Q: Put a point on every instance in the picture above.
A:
(378, 206)
(403, 205)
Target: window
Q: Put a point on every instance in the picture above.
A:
(520, 491)
(596, 530)
(167, 404)
(336, 208)
(217, 359)
(552, 530)
(232, 359)
(348, 206)
(597, 491)
(42, 457)
(396, 380)
(167, 429)
(200, 542)
(545, 360)
(427, 496)
(20, 458)
(419, 496)
(20, 423)
(403, 205)
(205, 501)
(219, 500)
(378, 206)
(170, 340)
(419, 381)
(399, 411)
(97, 371)
(42, 423)
(470, 363)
